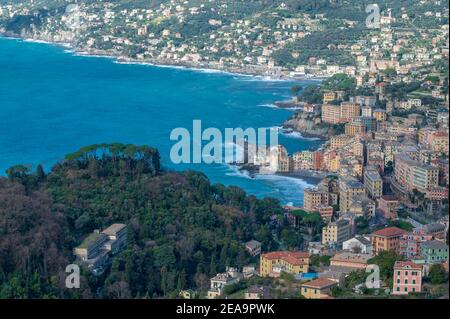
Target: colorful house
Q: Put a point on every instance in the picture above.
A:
(410, 243)
(387, 239)
(318, 288)
(434, 251)
(293, 262)
(407, 278)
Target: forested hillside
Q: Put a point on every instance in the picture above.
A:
(181, 229)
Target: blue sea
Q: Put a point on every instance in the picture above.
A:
(52, 102)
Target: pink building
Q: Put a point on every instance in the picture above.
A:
(410, 243)
(388, 205)
(407, 278)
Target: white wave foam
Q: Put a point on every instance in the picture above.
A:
(284, 181)
(297, 135)
(37, 41)
(234, 170)
(272, 106)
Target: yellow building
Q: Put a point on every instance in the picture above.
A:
(354, 128)
(358, 148)
(292, 262)
(318, 288)
(349, 188)
(328, 97)
(380, 115)
(338, 141)
(313, 198)
(336, 232)
(373, 183)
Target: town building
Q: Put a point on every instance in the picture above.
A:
(336, 233)
(293, 262)
(358, 244)
(410, 243)
(97, 248)
(319, 288)
(218, 282)
(349, 260)
(349, 188)
(253, 247)
(349, 111)
(387, 239)
(373, 183)
(331, 113)
(388, 206)
(315, 197)
(256, 292)
(411, 174)
(434, 251)
(407, 278)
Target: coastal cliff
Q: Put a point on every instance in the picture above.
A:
(310, 125)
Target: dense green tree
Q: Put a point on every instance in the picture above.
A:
(437, 274)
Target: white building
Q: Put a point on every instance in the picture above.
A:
(362, 244)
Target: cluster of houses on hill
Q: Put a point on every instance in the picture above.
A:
(418, 250)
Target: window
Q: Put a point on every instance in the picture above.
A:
(414, 281)
(398, 288)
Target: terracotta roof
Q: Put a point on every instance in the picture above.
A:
(320, 283)
(390, 232)
(292, 257)
(407, 264)
(351, 257)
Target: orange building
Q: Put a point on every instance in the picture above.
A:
(387, 239)
(354, 128)
(331, 113)
(328, 97)
(349, 111)
(380, 115)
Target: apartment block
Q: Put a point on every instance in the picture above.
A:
(373, 183)
(387, 239)
(331, 113)
(411, 174)
(336, 233)
(349, 188)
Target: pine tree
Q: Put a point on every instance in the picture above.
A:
(40, 172)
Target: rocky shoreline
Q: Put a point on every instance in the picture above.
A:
(311, 177)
